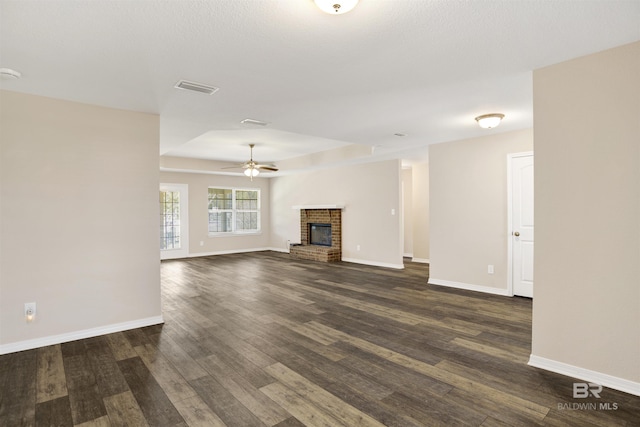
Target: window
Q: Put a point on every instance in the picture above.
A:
(234, 210)
(169, 219)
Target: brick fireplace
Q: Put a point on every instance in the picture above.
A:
(319, 217)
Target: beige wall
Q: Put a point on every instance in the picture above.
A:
(586, 308)
(198, 184)
(368, 191)
(468, 209)
(420, 209)
(79, 230)
(407, 206)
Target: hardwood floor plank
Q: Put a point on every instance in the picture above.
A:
(320, 397)
(51, 380)
(120, 346)
(108, 376)
(179, 358)
(197, 414)
(290, 422)
(172, 383)
(18, 388)
(99, 422)
(84, 396)
(262, 407)
(224, 404)
(54, 412)
(308, 413)
(154, 403)
(123, 410)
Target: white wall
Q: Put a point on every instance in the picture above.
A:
(468, 210)
(369, 191)
(79, 220)
(586, 307)
(199, 184)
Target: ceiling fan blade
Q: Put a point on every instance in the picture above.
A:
(267, 167)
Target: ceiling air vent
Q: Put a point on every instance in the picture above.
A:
(196, 87)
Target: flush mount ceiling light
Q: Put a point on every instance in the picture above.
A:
(488, 121)
(336, 7)
(9, 74)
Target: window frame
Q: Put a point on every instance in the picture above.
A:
(234, 211)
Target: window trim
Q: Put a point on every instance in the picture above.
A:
(234, 210)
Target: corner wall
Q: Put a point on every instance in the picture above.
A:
(468, 210)
(586, 307)
(369, 193)
(79, 220)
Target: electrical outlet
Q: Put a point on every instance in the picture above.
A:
(357, 247)
(490, 269)
(29, 311)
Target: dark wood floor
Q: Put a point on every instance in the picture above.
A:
(262, 340)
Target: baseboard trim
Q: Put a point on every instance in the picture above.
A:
(78, 335)
(469, 287)
(374, 263)
(421, 260)
(606, 380)
(284, 251)
(228, 252)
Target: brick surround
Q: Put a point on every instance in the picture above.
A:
(316, 252)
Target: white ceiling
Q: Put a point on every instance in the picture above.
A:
(425, 68)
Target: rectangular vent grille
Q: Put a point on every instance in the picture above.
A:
(196, 87)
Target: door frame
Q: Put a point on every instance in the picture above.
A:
(183, 252)
(510, 158)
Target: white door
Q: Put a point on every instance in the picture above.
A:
(521, 224)
(174, 221)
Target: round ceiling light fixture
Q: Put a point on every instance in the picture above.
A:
(336, 7)
(488, 121)
(9, 74)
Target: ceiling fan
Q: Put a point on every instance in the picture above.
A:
(253, 168)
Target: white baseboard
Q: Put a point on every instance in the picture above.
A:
(420, 260)
(374, 263)
(228, 252)
(407, 255)
(606, 380)
(78, 335)
(469, 287)
(283, 250)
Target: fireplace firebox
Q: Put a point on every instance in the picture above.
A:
(320, 234)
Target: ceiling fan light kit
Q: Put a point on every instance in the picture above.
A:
(252, 168)
(488, 121)
(251, 172)
(336, 7)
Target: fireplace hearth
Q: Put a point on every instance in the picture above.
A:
(320, 235)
